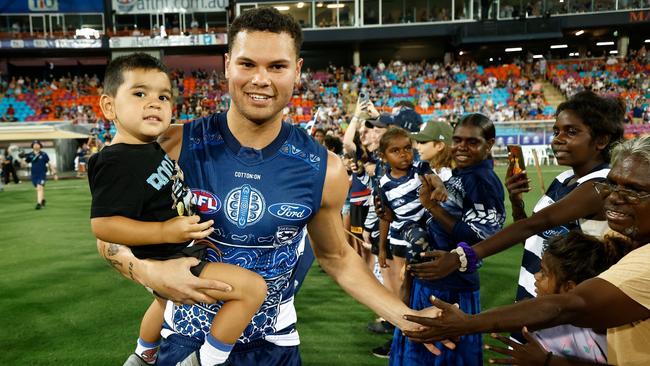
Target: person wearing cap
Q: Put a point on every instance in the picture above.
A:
(40, 162)
(433, 143)
(383, 120)
(406, 117)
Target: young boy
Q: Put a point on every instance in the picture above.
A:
(40, 165)
(138, 195)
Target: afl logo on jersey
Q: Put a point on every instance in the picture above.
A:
(290, 211)
(244, 206)
(206, 202)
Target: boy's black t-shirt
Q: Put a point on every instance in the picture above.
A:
(134, 181)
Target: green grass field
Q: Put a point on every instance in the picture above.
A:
(60, 304)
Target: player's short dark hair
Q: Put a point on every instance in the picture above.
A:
(604, 116)
(114, 76)
(265, 19)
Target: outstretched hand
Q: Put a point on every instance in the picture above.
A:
(431, 312)
(531, 353)
(447, 325)
(437, 264)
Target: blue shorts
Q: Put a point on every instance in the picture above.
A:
(38, 180)
(176, 348)
(469, 349)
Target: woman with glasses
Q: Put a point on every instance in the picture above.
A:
(617, 299)
(585, 128)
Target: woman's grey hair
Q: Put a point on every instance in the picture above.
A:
(639, 146)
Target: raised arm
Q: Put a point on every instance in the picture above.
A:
(594, 303)
(580, 203)
(338, 259)
(171, 278)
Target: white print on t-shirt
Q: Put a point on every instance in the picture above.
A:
(163, 173)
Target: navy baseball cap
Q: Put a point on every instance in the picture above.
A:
(408, 119)
(384, 120)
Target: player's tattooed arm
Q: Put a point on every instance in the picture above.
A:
(111, 253)
(171, 278)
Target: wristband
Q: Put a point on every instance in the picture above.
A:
(547, 361)
(470, 255)
(462, 257)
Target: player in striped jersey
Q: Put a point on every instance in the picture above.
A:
(399, 190)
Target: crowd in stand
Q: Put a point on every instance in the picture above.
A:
(438, 91)
(628, 78)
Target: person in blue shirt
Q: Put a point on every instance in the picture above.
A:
(473, 211)
(40, 163)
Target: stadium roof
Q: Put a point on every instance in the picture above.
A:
(31, 132)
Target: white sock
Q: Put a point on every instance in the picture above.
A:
(214, 352)
(148, 352)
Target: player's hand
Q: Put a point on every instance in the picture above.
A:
(441, 265)
(532, 353)
(184, 228)
(447, 325)
(173, 280)
(430, 312)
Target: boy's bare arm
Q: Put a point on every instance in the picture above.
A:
(120, 229)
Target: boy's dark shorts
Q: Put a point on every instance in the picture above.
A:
(198, 251)
(374, 247)
(357, 218)
(398, 250)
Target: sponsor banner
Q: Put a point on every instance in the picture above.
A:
(171, 41)
(168, 6)
(51, 6)
(50, 43)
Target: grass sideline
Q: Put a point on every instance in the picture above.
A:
(63, 305)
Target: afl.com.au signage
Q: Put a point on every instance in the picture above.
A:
(168, 6)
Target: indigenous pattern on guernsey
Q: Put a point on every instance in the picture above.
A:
(260, 201)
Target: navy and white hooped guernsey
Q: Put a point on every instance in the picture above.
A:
(260, 201)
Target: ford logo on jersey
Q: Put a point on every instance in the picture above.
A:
(556, 231)
(290, 211)
(206, 202)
